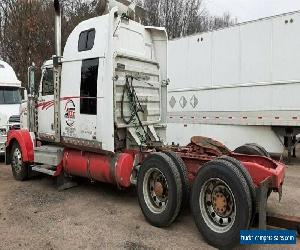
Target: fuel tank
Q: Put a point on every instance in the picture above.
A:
(115, 169)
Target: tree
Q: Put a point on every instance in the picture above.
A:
(183, 17)
(27, 26)
(25, 33)
(27, 30)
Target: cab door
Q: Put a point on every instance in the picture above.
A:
(79, 101)
(88, 100)
(46, 105)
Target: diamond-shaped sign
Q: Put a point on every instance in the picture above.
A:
(172, 102)
(194, 101)
(183, 102)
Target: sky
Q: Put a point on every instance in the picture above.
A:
(245, 10)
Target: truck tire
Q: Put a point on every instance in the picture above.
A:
(183, 176)
(251, 149)
(236, 163)
(261, 148)
(221, 203)
(19, 169)
(159, 190)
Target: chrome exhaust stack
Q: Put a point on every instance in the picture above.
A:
(57, 7)
(57, 67)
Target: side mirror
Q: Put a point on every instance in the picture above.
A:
(24, 94)
(31, 80)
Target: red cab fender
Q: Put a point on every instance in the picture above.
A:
(25, 141)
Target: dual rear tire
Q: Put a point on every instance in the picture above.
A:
(221, 203)
(221, 199)
(161, 188)
(252, 149)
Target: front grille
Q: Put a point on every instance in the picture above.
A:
(14, 122)
(14, 119)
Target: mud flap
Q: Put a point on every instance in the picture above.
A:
(7, 156)
(270, 219)
(65, 182)
(262, 197)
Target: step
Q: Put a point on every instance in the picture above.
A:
(45, 169)
(48, 155)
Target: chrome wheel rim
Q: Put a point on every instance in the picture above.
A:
(155, 190)
(16, 160)
(217, 205)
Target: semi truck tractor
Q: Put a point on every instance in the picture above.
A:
(100, 112)
(10, 100)
(238, 84)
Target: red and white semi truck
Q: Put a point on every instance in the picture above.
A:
(100, 113)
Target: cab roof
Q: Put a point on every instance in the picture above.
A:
(8, 76)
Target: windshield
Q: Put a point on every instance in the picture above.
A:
(10, 95)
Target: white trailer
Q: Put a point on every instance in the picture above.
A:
(238, 85)
(10, 99)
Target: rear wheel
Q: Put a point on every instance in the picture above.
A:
(159, 189)
(221, 203)
(183, 176)
(252, 149)
(19, 168)
(260, 148)
(247, 177)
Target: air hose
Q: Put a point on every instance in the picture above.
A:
(135, 108)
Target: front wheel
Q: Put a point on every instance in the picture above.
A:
(221, 203)
(19, 168)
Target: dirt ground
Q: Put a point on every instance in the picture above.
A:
(34, 215)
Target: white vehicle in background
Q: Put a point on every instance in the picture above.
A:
(10, 100)
(239, 84)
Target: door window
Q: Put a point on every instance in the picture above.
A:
(48, 83)
(88, 88)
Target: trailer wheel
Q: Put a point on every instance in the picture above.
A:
(19, 168)
(183, 176)
(247, 177)
(221, 203)
(252, 149)
(159, 190)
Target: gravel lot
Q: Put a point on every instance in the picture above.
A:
(34, 215)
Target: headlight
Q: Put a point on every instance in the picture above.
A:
(3, 131)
